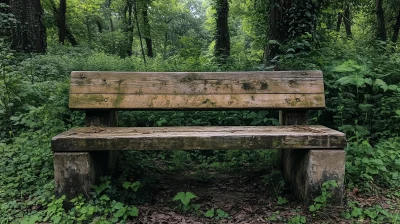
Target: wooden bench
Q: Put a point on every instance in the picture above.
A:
(310, 155)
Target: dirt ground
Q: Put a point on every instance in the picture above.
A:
(244, 196)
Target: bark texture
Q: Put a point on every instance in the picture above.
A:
(146, 31)
(222, 39)
(128, 14)
(29, 34)
(381, 34)
(62, 21)
(347, 21)
(278, 27)
(396, 28)
(68, 33)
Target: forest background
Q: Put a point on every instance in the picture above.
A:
(354, 42)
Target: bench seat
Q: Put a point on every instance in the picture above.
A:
(198, 138)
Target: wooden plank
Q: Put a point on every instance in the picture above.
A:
(198, 138)
(165, 83)
(215, 101)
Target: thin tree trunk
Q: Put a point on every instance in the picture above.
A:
(99, 26)
(88, 30)
(68, 33)
(339, 21)
(222, 39)
(381, 34)
(396, 28)
(347, 21)
(129, 26)
(140, 36)
(111, 21)
(62, 21)
(147, 33)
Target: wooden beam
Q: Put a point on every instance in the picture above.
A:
(198, 138)
(225, 101)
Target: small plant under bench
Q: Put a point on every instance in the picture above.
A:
(310, 154)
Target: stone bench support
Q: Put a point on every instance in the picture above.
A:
(307, 170)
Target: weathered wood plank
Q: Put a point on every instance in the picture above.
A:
(223, 101)
(157, 84)
(198, 138)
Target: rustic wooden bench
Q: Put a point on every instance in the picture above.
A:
(310, 154)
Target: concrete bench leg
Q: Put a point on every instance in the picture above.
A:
(307, 170)
(76, 172)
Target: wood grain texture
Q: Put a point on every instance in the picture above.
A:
(208, 90)
(198, 138)
(238, 101)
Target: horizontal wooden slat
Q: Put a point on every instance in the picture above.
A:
(198, 138)
(198, 83)
(184, 90)
(217, 101)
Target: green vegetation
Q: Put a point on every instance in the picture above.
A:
(362, 88)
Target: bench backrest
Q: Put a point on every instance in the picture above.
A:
(197, 90)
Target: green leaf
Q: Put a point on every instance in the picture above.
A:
(120, 212)
(356, 212)
(118, 205)
(184, 197)
(281, 201)
(382, 84)
(104, 198)
(210, 213)
(134, 211)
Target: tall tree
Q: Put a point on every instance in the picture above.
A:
(347, 21)
(138, 29)
(396, 28)
(222, 39)
(29, 34)
(278, 27)
(345, 17)
(56, 15)
(146, 30)
(128, 27)
(381, 32)
(62, 21)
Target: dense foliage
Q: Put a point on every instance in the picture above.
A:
(362, 84)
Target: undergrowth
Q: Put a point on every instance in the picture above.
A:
(362, 92)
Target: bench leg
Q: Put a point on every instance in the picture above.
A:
(307, 170)
(75, 173)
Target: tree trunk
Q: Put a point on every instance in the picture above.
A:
(222, 40)
(128, 12)
(56, 15)
(396, 28)
(146, 32)
(347, 21)
(62, 21)
(278, 28)
(140, 35)
(381, 34)
(339, 21)
(99, 26)
(29, 34)
(110, 15)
